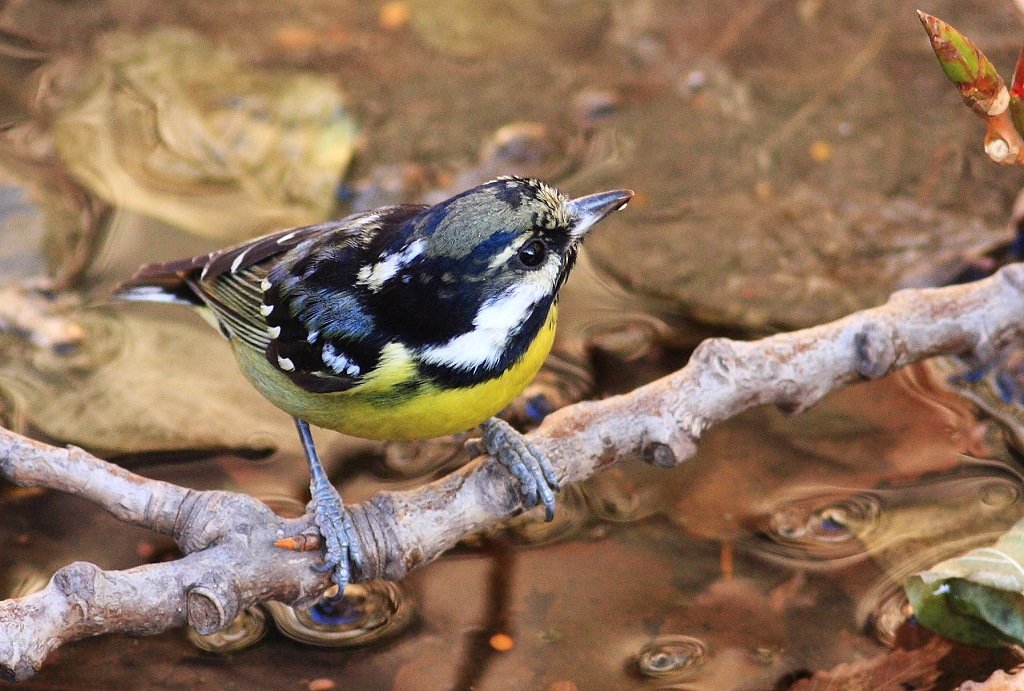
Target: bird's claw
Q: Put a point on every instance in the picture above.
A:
(340, 544)
(537, 480)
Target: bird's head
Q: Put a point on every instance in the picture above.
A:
(512, 234)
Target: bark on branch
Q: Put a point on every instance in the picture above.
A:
(230, 561)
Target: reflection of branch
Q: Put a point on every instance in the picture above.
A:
(231, 562)
(39, 317)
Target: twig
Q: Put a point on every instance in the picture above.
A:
(982, 89)
(231, 562)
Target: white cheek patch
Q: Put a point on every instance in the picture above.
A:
(374, 276)
(498, 319)
(552, 269)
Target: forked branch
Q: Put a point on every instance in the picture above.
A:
(228, 539)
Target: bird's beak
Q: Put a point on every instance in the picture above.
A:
(592, 208)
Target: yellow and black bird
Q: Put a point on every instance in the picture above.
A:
(406, 322)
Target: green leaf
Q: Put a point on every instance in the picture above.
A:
(976, 598)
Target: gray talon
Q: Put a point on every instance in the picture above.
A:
(536, 476)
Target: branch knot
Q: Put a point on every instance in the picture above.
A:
(212, 604)
(875, 350)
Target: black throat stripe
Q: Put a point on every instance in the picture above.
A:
(447, 376)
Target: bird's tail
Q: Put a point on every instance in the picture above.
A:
(167, 282)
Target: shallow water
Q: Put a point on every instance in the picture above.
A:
(744, 127)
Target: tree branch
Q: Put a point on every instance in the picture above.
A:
(231, 562)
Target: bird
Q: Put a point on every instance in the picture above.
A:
(402, 322)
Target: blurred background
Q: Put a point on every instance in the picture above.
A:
(794, 161)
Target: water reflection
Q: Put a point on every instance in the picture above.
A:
(173, 126)
(22, 579)
(884, 612)
(22, 228)
(113, 393)
(572, 515)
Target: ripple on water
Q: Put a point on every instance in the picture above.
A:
(570, 518)
(369, 612)
(675, 658)
(245, 631)
(827, 527)
(815, 527)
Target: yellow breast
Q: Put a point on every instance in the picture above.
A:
(386, 406)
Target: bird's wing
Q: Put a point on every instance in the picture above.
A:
(322, 334)
(227, 281)
(205, 267)
(230, 284)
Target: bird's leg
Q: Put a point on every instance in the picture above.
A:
(335, 525)
(537, 480)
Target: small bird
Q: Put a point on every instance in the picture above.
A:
(405, 322)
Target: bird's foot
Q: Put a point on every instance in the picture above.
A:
(537, 480)
(340, 544)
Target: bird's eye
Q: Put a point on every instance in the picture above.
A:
(532, 254)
